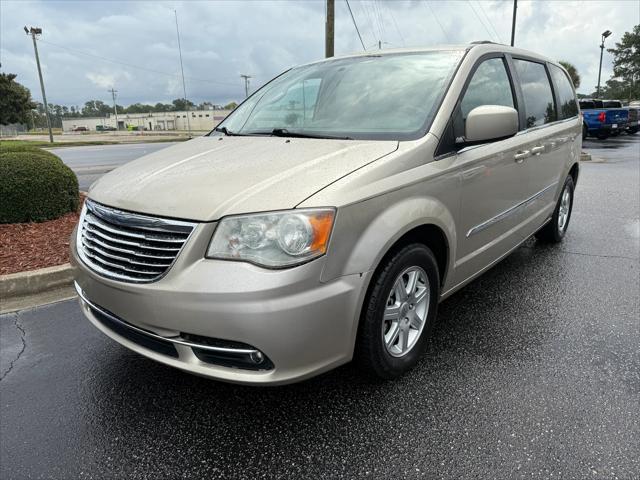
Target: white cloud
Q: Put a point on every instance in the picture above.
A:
(222, 39)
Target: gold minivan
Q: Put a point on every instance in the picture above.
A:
(328, 215)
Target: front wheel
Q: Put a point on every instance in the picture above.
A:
(398, 313)
(556, 228)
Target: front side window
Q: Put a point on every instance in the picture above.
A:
(568, 107)
(490, 85)
(391, 96)
(537, 93)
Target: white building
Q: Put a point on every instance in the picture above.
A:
(198, 120)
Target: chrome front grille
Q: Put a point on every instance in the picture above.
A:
(128, 246)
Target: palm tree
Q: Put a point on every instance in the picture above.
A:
(573, 72)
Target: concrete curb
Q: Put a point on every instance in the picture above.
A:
(35, 281)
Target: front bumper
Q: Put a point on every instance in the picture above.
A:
(301, 326)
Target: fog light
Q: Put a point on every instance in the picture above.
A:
(256, 357)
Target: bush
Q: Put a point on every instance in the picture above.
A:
(9, 148)
(35, 186)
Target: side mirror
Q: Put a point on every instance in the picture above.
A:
(489, 122)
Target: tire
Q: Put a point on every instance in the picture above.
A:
(585, 132)
(555, 230)
(376, 352)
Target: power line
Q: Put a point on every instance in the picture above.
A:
(119, 62)
(490, 22)
(355, 24)
(479, 19)
(369, 21)
(436, 19)
(395, 23)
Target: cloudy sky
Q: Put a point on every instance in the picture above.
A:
(89, 46)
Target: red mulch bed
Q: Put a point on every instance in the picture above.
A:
(29, 246)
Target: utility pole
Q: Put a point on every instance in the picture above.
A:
(33, 31)
(184, 88)
(329, 29)
(605, 34)
(246, 83)
(115, 107)
(513, 23)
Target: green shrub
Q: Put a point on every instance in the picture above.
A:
(35, 186)
(8, 148)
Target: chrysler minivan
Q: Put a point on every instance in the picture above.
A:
(328, 215)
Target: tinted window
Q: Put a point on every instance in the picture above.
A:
(489, 86)
(568, 107)
(587, 105)
(538, 96)
(598, 104)
(612, 104)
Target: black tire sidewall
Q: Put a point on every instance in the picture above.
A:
(559, 234)
(377, 358)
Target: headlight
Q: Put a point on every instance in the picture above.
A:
(274, 239)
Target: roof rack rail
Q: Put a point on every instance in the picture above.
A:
(482, 42)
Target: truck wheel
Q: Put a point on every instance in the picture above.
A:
(398, 313)
(555, 229)
(585, 132)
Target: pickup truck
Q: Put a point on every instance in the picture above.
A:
(603, 118)
(633, 125)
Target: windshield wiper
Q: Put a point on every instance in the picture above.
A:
(283, 132)
(227, 132)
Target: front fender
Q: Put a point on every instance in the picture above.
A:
(364, 232)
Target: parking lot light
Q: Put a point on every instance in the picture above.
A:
(605, 34)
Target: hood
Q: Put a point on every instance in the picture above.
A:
(208, 177)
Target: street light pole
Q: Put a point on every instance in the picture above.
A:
(605, 34)
(33, 32)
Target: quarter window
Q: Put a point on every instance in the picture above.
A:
(537, 93)
(568, 107)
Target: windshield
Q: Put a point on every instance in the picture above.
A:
(392, 96)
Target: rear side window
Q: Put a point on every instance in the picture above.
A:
(568, 107)
(587, 106)
(612, 104)
(489, 86)
(537, 93)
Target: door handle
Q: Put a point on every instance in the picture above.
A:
(537, 150)
(521, 155)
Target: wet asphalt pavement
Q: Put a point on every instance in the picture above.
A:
(533, 372)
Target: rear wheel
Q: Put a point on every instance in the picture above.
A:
(398, 313)
(585, 132)
(555, 229)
